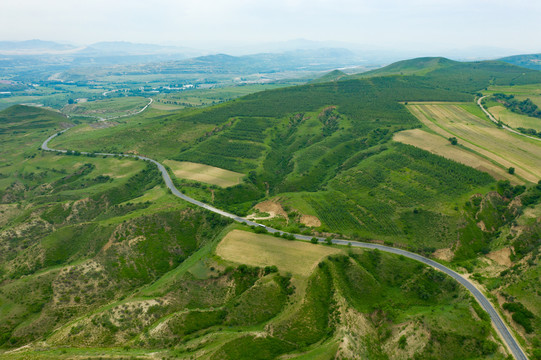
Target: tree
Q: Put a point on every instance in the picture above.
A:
(314, 240)
(511, 170)
(453, 140)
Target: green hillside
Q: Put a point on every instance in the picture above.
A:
(530, 61)
(98, 260)
(419, 66)
(462, 76)
(334, 75)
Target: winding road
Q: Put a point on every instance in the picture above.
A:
(497, 321)
(498, 123)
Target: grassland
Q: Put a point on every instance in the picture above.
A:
(204, 173)
(107, 108)
(514, 120)
(132, 135)
(299, 258)
(521, 93)
(484, 138)
(207, 97)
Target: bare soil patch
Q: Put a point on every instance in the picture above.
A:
(310, 220)
(501, 257)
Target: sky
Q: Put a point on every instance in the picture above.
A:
(430, 25)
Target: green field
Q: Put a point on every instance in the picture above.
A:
(207, 97)
(106, 109)
(514, 120)
(520, 93)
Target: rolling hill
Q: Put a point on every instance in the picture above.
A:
(112, 265)
(531, 61)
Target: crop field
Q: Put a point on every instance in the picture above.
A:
(108, 108)
(299, 258)
(204, 173)
(486, 139)
(521, 93)
(440, 146)
(514, 120)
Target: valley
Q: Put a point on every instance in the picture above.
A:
(117, 267)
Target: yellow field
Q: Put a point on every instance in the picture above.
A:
(483, 137)
(515, 120)
(297, 257)
(204, 173)
(441, 146)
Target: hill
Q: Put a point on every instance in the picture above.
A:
(419, 66)
(29, 47)
(530, 61)
(334, 75)
(464, 76)
(109, 262)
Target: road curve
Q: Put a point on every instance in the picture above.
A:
(497, 321)
(502, 125)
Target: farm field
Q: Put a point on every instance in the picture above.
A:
(514, 120)
(204, 173)
(441, 146)
(508, 150)
(521, 93)
(107, 108)
(299, 258)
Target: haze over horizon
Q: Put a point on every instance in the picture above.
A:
(421, 27)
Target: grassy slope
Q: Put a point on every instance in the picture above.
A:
(107, 108)
(74, 240)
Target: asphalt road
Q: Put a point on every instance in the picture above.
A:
(497, 321)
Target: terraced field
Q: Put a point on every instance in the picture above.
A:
(482, 137)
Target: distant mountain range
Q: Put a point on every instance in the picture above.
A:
(530, 61)
(41, 47)
(33, 47)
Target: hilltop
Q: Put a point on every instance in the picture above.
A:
(419, 66)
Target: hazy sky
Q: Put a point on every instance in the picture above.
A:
(427, 24)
